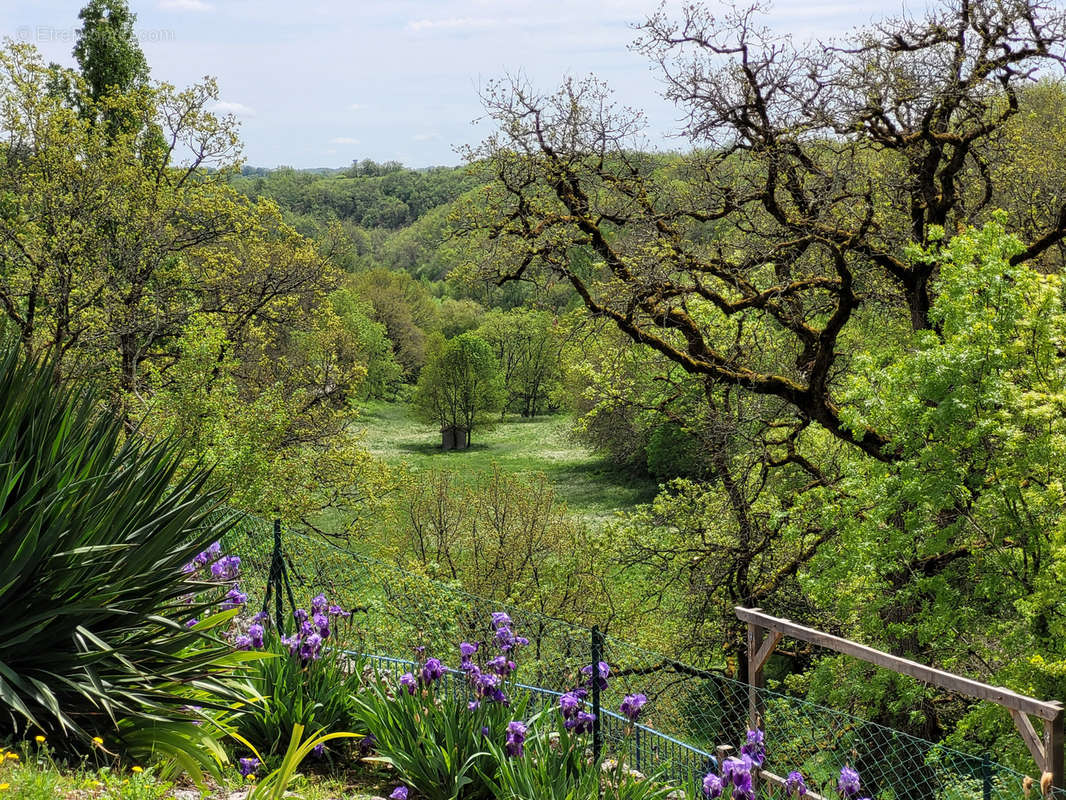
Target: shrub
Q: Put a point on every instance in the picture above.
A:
(435, 741)
(434, 727)
(94, 530)
(306, 684)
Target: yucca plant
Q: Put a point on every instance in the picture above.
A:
(95, 526)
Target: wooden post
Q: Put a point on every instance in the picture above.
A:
(756, 677)
(1053, 743)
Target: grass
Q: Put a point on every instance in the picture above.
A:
(30, 772)
(588, 484)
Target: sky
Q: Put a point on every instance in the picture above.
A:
(326, 82)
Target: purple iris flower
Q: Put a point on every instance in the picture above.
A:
(319, 604)
(191, 622)
(262, 618)
(516, 738)
(734, 769)
(300, 615)
(432, 671)
(243, 642)
(631, 706)
(214, 548)
(255, 634)
(248, 766)
(848, 785)
(500, 619)
(569, 704)
(399, 793)
(755, 747)
(603, 671)
(501, 666)
(581, 723)
(367, 744)
(337, 611)
(318, 751)
(322, 623)
(712, 785)
(743, 789)
(795, 786)
(310, 647)
(466, 649)
(408, 682)
(504, 638)
(235, 598)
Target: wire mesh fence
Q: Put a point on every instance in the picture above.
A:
(692, 708)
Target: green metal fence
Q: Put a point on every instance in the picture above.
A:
(693, 708)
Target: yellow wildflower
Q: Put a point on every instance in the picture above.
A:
(13, 756)
(39, 739)
(97, 740)
(137, 769)
(4, 787)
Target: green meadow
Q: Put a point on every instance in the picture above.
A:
(589, 486)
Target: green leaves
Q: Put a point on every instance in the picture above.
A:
(275, 785)
(316, 695)
(433, 740)
(459, 384)
(95, 528)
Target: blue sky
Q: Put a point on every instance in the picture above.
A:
(323, 82)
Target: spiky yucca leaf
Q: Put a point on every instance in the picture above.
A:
(94, 529)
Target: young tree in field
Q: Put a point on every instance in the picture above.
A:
(459, 385)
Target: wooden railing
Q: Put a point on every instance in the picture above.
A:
(765, 632)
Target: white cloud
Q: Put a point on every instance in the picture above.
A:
(185, 5)
(356, 107)
(453, 23)
(425, 137)
(237, 109)
(343, 140)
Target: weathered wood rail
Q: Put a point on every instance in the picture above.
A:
(765, 632)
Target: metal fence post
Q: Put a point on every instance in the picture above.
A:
(636, 747)
(986, 777)
(597, 657)
(273, 582)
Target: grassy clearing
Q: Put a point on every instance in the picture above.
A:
(589, 486)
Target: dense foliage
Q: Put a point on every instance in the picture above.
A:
(95, 528)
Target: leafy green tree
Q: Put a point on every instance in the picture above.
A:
(405, 308)
(126, 266)
(528, 345)
(107, 50)
(458, 316)
(459, 385)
